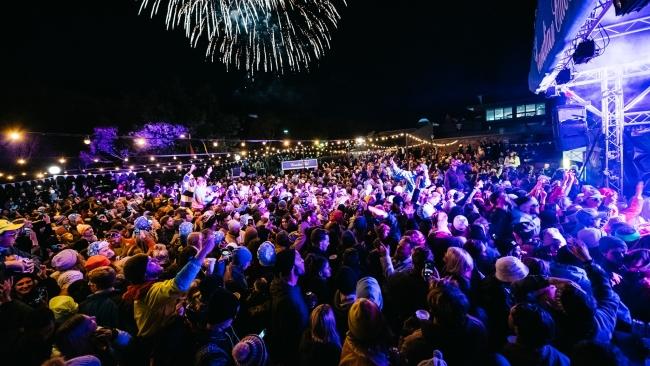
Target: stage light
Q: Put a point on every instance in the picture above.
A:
(10, 177)
(96, 160)
(140, 142)
(87, 141)
(62, 160)
(14, 135)
(182, 135)
(285, 143)
(151, 158)
(21, 161)
(286, 132)
(126, 160)
(23, 174)
(54, 170)
(566, 163)
(237, 157)
(215, 144)
(359, 140)
(243, 144)
(584, 52)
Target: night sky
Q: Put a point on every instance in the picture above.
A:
(71, 65)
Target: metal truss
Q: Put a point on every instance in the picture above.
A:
(616, 112)
(566, 60)
(623, 29)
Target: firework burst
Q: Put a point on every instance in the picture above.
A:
(255, 35)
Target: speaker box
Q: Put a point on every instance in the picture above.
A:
(570, 127)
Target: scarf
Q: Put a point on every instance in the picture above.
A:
(137, 292)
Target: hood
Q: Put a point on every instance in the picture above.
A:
(368, 288)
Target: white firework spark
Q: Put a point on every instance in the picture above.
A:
(255, 35)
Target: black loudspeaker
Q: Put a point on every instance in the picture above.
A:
(570, 127)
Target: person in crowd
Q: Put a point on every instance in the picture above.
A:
(216, 343)
(534, 330)
(405, 252)
(461, 338)
(289, 316)
(321, 343)
(235, 278)
(103, 303)
(318, 273)
(367, 342)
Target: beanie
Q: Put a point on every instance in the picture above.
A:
(266, 254)
(185, 228)
(81, 228)
(95, 247)
(250, 351)
(96, 261)
(223, 305)
(241, 256)
(368, 288)
(64, 260)
(135, 268)
(63, 307)
(69, 277)
(365, 321)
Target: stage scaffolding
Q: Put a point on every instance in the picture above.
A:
(616, 107)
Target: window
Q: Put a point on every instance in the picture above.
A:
(498, 114)
(530, 110)
(489, 115)
(521, 111)
(541, 109)
(507, 112)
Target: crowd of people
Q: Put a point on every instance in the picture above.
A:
(469, 257)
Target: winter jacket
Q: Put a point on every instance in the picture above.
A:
(391, 268)
(289, 319)
(570, 330)
(464, 344)
(353, 355)
(157, 307)
(103, 305)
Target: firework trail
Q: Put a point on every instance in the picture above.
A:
(255, 35)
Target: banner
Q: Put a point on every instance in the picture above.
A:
(556, 24)
(300, 164)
